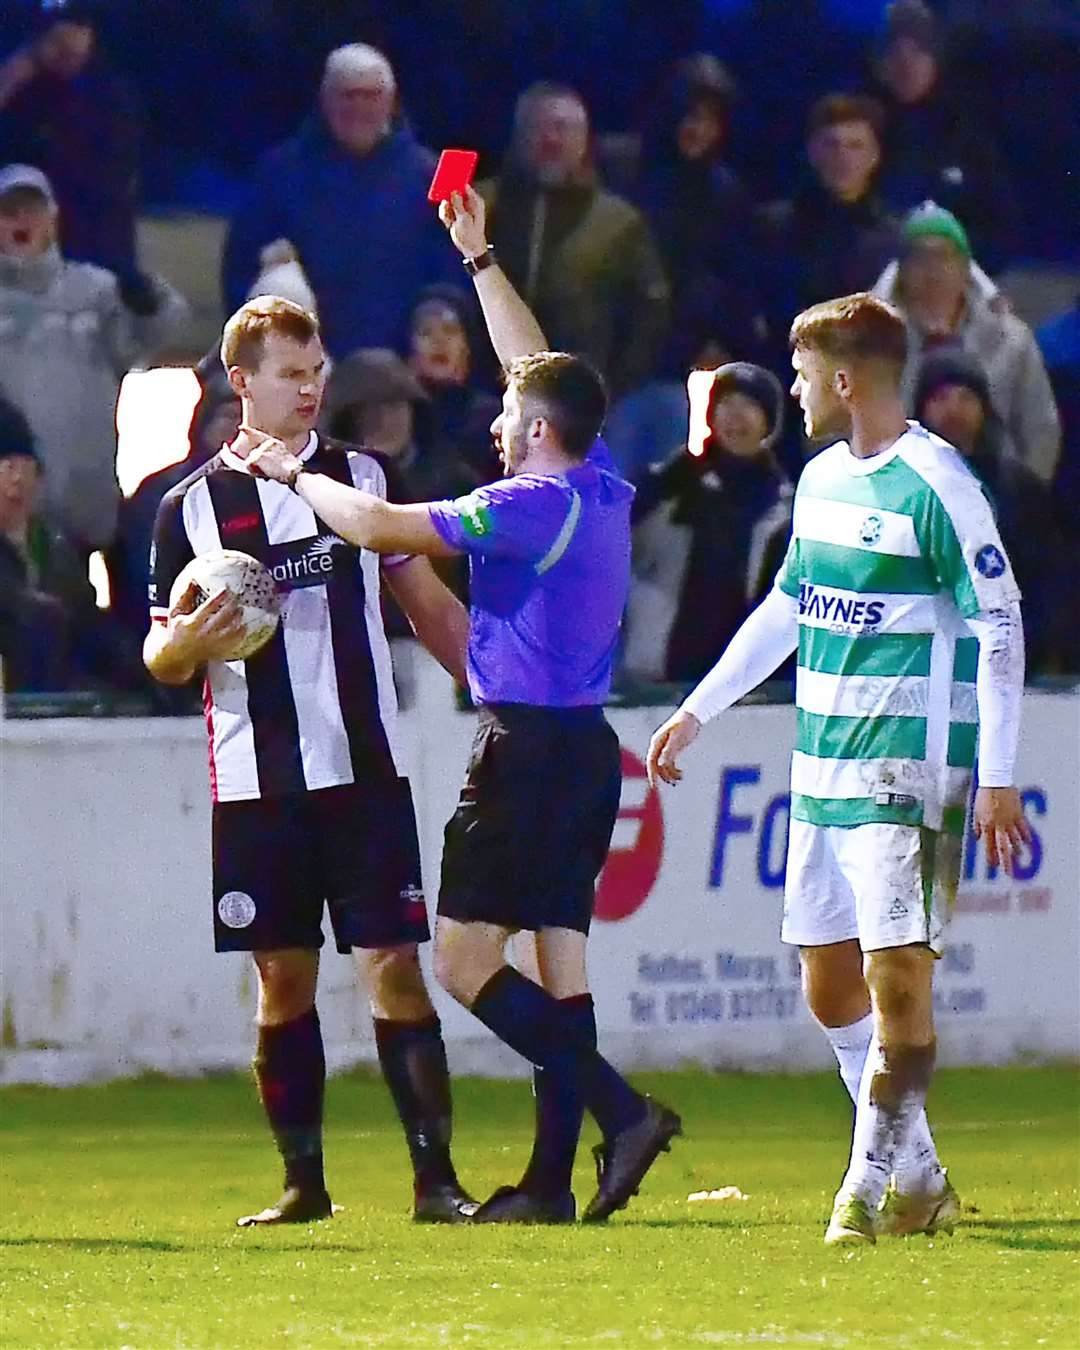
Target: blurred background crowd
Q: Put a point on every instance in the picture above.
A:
(667, 185)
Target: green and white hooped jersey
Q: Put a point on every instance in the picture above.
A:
(888, 558)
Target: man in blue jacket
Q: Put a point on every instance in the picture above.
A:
(349, 191)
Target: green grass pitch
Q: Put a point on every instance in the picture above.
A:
(119, 1201)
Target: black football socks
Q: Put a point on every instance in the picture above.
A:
(539, 1028)
(559, 1113)
(290, 1069)
(413, 1061)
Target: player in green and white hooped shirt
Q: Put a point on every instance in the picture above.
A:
(894, 566)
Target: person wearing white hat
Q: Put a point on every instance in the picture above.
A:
(68, 334)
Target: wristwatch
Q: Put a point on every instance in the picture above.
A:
(293, 475)
(486, 259)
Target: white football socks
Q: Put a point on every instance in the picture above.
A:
(883, 1135)
(917, 1167)
(850, 1046)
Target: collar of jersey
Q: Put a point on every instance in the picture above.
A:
(232, 461)
(859, 468)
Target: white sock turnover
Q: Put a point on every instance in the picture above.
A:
(850, 1046)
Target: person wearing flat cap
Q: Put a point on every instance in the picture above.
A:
(711, 523)
(375, 399)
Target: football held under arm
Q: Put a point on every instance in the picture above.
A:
(185, 634)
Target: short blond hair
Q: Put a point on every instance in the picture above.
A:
(859, 327)
(245, 334)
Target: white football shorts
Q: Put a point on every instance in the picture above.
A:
(886, 885)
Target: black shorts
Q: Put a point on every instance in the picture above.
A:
(277, 860)
(534, 819)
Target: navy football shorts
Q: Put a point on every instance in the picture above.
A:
(279, 860)
(534, 819)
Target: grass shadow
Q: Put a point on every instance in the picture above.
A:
(1029, 1235)
(243, 1248)
(1011, 1225)
(96, 1244)
(695, 1223)
(1030, 1244)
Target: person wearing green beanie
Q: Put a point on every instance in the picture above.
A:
(936, 285)
(930, 221)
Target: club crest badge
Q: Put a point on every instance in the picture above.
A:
(989, 561)
(236, 909)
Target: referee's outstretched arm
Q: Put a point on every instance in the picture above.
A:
(360, 517)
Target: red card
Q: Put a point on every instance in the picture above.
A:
(453, 173)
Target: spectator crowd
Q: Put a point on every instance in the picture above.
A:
(645, 251)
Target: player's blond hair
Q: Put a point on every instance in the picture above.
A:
(859, 327)
(246, 332)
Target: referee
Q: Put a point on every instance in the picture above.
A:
(549, 552)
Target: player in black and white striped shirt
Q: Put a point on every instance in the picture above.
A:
(310, 805)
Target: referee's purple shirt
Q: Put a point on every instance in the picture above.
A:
(549, 561)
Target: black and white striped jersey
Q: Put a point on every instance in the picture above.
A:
(316, 706)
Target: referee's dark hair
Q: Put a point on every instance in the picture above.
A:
(567, 392)
(247, 330)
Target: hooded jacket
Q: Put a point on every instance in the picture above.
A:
(1006, 349)
(699, 211)
(364, 232)
(66, 342)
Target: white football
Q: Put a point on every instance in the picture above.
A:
(249, 581)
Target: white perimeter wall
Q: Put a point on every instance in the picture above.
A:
(107, 959)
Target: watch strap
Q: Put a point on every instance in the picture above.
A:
(479, 263)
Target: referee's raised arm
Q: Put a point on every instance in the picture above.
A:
(360, 517)
(511, 324)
